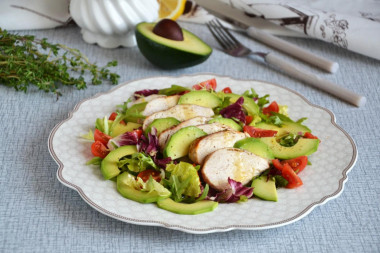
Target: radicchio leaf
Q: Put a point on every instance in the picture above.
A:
(149, 145)
(232, 194)
(144, 93)
(234, 110)
(127, 138)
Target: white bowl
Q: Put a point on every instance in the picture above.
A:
(111, 23)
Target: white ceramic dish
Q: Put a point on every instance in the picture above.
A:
(323, 181)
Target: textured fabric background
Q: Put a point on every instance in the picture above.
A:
(38, 214)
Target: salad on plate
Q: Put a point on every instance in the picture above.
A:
(189, 149)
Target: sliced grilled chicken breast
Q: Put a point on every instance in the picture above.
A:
(160, 104)
(180, 112)
(237, 164)
(146, 99)
(163, 138)
(214, 127)
(203, 146)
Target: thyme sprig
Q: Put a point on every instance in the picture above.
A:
(26, 60)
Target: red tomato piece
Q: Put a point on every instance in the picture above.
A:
(144, 175)
(208, 85)
(273, 107)
(99, 149)
(292, 178)
(277, 164)
(248, 119)
(227, 90)
(113, 116)
(102, 137)
(310, 136)
(258, 132)
(297, 164)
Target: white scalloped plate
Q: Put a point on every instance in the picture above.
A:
(323, 180)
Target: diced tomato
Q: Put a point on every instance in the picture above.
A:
(273, 107)
(227, 90)
(99, 149)
(208, 85)
(310, 136)
(258, 132)
(102, 137)
(292, 178)
(248, 119)
(277, 164)
(297, 164)
(144, 175)
(113, 117)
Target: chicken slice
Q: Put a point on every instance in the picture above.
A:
(205, 145)
(237, 164)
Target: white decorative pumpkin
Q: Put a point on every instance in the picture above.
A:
(111, 23)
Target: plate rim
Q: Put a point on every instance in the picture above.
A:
(130, 220)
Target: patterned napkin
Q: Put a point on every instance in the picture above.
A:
(353, 25)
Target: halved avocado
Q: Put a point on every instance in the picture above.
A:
(199, 207)
(287, 127)
(171, 54)
(302, 147)
(108, 166)
(201, 98)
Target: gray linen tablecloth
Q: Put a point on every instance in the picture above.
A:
(39, 214)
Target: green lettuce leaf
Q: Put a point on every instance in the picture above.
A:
(184, 180)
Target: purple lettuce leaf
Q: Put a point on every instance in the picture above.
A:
(234, 193)
(149, 145)
(127, 138)
(234, 111)
(144, 93)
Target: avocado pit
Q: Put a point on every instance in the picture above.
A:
(168, 29)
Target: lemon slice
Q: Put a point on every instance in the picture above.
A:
(171, 9)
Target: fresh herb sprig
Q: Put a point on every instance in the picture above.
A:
(26, 60)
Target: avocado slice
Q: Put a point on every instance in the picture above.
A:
(161, 124)
(116, 129)
(108, 166)
(264, 187)
(201, 98)
(199, 207)
(179, 143)
(302, 147)
(171, 54)
(131, 193)
(286, 127)
(255, 146)
(228, 122)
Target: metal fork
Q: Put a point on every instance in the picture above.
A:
(233, 47)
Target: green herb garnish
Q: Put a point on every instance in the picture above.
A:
(25, 60)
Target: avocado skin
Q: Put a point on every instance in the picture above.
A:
(167, 57)
(264, 188)
(199, 207)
